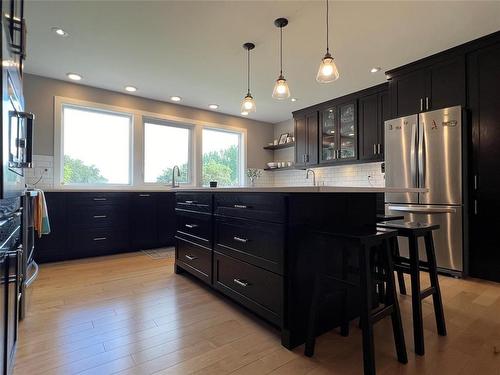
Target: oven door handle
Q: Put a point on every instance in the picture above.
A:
(29, 118)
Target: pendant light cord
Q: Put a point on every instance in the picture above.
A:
(327, 29)
(281, 50)
(248, 71)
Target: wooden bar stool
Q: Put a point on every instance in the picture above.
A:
(413, 265)
(364, 248)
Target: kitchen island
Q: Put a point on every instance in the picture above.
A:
(255, 245)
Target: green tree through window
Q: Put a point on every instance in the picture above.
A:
(77, 172)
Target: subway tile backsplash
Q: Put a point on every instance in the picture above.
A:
(41, 176)
(367, 174)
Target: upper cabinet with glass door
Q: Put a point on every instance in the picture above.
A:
(347, 133)
(338, 133)
(329, 134)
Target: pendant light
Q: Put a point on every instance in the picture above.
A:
(327, 71)
(281, 90)
(248, 102)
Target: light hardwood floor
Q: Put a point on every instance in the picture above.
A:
(130, 314)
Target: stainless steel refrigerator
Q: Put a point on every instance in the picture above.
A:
(426, 150)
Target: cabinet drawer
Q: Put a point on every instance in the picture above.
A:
(97, 198)
(259, 290)
(258, 206)
(100, 216)
(195, 227)
(257, 243)
(194, 259)
(97, 242)
(199, 202)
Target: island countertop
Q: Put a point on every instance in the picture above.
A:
(249, 189)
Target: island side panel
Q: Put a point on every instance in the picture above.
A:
(330, 212)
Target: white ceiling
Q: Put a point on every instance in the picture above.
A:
(194, 48)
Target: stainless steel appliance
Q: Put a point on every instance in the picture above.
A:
(426, 150)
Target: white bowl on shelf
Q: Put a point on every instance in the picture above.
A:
(272, 164)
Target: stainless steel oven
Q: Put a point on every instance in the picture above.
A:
(17, 125)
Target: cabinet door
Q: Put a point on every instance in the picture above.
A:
(408, 93)
(300, 140)
(312, 138)
(348, 131)
(3, 309)
(12, 306)
(328, 135)
(484, 102)
(144, 221)
(447, 84)
(369, 127)
(385, 114)
(52, 247)
(166, 219)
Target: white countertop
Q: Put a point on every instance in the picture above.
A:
(248, 189)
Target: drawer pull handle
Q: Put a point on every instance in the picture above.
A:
(239, 239)
(100, 239)
(190, 257)
(100, 216)
(241, 282)
(240, 206)
(144, 195)
(191, 226)
(100, 199)
(191, 202)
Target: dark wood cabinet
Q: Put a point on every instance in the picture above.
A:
(373, 110)
(434, 84)
(102, 223)
(484, 105)
(144, 215)
(306, 139)
(3, 309)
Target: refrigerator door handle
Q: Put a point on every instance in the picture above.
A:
(424, 210)
(421, 155)
(413, 156)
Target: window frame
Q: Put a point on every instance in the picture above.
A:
(59, 105)
(191, 158)
(241, 155)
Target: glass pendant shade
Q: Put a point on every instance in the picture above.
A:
(281, 90)
(327, 71)
(248, 104)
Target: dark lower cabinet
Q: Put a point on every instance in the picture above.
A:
(4, 308)
(101, 223)
(144, 217)
(484, 102)
(12, 313)
(253, 287)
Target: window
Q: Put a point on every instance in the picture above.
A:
(221, 157)
(96, 146)
(166, 145)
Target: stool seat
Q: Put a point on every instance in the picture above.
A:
(384, 217)
(408, 227)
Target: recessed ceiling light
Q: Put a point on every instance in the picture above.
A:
(375, 69)
(60, 31)
(244, 113)
(74, 76)
(293, 99)
(130, 88)
(175, 98)
(213, 106)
